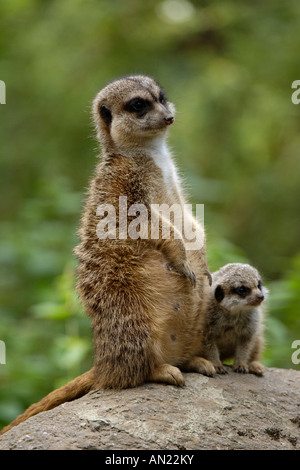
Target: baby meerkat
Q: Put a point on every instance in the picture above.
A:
(234, 319)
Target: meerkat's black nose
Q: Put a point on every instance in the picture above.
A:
(169, 120)
(260, 297)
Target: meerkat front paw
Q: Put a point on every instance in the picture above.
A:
(207, 368)
(185, 270)
(241, 368)
(220, 369)
(256, 368)
(167, 374)
(200, 365)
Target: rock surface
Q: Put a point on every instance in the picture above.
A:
(227, 412)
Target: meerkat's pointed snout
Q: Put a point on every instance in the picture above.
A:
(260, 298)
(169, 120)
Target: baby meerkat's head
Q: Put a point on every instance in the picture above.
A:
(238, 287)
(130, 111)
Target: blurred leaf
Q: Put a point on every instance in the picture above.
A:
(50, 311)
(69, 351)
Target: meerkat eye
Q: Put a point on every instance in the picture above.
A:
(137, 105)
(162, 98)
(242, 291)
(259, 285)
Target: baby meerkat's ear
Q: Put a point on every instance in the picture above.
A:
(106, 114)
(219, 294)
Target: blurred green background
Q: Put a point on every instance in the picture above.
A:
(228, 66)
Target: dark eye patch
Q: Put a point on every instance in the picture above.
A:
(105, 113)
(259, 285)
(219, 294)
(242, 291)
(138, 105)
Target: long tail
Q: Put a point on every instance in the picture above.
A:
(74, 389)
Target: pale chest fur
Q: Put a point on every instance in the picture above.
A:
(162, 158)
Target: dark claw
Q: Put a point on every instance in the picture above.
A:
(209, 374)
(192, 278)
(207, 273)
(241, 370)
(188, 273)
(220, 369)
(259, 374)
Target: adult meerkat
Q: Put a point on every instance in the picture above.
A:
(145, 296)
(234, 319)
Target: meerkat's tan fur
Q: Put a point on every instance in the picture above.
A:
(146, 297)
(234, 319)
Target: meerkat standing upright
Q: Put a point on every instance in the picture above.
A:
(234, 319)
(146, 311)
(145, 296)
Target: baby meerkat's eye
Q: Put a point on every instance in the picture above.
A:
(242, 291)
(259, 285)
(162, 98)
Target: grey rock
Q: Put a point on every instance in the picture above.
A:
(233, 411)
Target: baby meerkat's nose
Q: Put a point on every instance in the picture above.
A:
(169, 120)
(260, 297)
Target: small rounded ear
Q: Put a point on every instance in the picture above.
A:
(219, 294)
(105, 113)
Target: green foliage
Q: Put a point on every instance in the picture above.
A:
(229, 67)
(283, 319)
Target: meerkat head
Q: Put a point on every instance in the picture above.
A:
(131, 111)
(238, 287)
